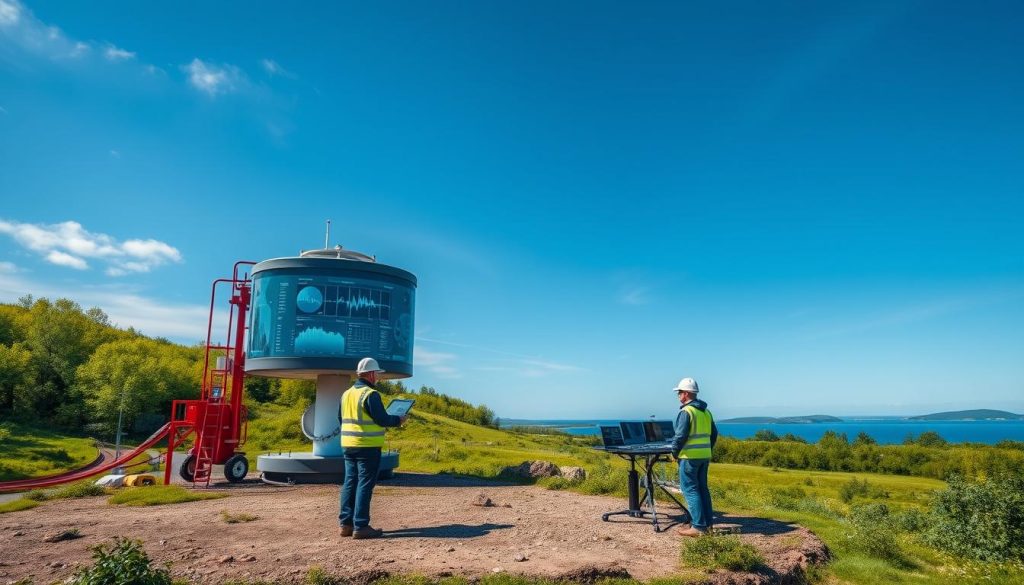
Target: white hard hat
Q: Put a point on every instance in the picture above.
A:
(687, 385)
(368, 365)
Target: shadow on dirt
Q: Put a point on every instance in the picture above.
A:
(751, 525)
(446, 531)
(440, 481)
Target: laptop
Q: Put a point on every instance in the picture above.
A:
(611, 436)
(659, 431)
(633, 433)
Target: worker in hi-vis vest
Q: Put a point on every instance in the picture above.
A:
(696, 434)
(363, 419)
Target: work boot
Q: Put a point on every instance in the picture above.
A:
(689, 531)
(367, 532)
(346, 530)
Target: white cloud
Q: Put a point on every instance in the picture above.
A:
(523, 365)
(213, 79)
(113, 53)
(62, 259)
(69, 244)
(79, 50)
(437, 362)
(115, 153)
(274, 68)
(634, 295)
(8, 268)
(125, 307)
(10, 12)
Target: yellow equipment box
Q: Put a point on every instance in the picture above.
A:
(139, 479)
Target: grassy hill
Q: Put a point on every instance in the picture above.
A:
(872, 522)
(31, 452)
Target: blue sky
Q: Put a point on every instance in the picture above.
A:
(807, 207)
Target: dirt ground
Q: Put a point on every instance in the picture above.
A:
(432, 528)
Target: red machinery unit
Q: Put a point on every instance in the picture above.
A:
(217, 421)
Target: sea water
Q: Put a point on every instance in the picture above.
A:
(885, 430)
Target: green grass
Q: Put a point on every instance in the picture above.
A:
(429, 443)
(822, 501)
(18, 505)
(159, 495)
(27, 452)
(236, 517)
(720, 552)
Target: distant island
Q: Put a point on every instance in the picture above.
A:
(783, 420)
(978, 414)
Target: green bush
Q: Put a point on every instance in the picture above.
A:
(725, 552)
(124, 563)
(980, 520)
(912, 520)
(853, 488)
(78, 490)
(873, 533)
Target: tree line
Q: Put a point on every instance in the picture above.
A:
(69, 368)
(927, 455)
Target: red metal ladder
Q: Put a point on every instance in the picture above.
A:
(207, 441)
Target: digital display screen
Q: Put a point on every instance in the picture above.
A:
(611, 436)
(652, 432)
(330, 316)
(399, 407)
(633, 433)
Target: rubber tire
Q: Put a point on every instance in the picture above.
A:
(231, 473)
(187, 469)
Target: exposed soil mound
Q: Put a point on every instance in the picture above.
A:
(430, 529)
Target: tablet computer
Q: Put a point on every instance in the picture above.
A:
(400, 406)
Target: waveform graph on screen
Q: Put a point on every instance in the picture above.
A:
(364, 303)
(313, 341)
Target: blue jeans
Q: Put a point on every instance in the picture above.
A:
(693, 482)
(361, 467)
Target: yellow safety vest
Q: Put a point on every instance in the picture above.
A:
(698, 442)
(357, 428)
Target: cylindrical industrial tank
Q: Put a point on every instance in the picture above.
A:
(315, 316)
(322, 312)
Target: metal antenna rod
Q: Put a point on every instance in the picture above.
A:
(327, 238)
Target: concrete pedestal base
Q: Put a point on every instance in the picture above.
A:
(310, 468)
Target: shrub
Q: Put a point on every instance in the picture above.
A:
(727, 552)
(125, 563)
(982, 520)
(318, 576)
(853, 488)
(873, 533)
(36, 495)
(912, 520)
(78, 490)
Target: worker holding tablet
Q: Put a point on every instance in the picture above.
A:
(363, 419)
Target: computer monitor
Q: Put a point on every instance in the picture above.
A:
(611, 436)
(633, 433)
(659, 431)
(652, 432)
